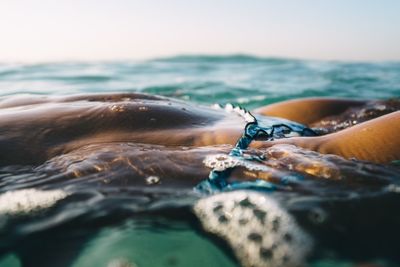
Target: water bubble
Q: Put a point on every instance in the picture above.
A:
(249, 228)
(117, 108)
(317, 215)
(152, 180)
(121, 263)
(394, 188)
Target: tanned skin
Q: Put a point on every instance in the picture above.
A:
(32, 130)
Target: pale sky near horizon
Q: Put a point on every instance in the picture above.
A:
(33, 30)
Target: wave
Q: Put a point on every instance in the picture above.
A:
(232, 58)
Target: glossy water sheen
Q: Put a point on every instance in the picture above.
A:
(100, 220)
(209, 79)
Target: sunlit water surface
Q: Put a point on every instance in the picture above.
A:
(48, 218)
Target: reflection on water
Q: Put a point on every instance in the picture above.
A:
(112, 214)
(130, 204)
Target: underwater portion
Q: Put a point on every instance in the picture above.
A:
(119, 164)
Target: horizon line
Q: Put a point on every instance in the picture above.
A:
(192, 55)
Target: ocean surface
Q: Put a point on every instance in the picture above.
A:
(245, 80)
(164, 227)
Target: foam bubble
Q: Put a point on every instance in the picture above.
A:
(259, 231)
(393, 188)
(28, 200)
(229, 107)
(120, 263)
(221, 162)
(151, 180)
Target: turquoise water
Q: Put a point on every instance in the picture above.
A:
(249, 81)
(104, 227)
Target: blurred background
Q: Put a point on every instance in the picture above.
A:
(43, 30)
(247, 52)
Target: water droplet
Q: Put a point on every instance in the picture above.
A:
(151, 180)
(117, 108)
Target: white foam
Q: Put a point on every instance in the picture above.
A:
(151, 180)
(216, 106)
(120, 263)
(29, 200)
(259, 231)
(221, 162)
(394, 188)
(248, 117)
(229, 107)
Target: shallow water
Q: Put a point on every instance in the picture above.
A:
(98, 206)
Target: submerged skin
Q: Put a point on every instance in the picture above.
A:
(33, 130)
(376, 140)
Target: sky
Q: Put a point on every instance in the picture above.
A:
(57, 30)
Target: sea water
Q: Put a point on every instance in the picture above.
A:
(245, 80)
(104, 227)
